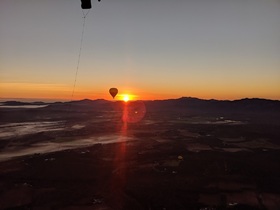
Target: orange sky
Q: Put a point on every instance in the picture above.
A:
(167, 49)
(64, 92)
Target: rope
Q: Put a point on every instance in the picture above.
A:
(80, 51)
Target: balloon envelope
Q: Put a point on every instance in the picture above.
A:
(113, 92)
(86, 4)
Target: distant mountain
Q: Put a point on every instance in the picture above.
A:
(81, 105)
(19, 103)
(184, 104)
(242, 105)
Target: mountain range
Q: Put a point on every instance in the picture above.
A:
(180, 104)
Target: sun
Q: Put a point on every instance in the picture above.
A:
(126, 98)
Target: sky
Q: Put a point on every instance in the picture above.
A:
(150, 49)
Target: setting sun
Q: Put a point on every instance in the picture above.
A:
(126, 98)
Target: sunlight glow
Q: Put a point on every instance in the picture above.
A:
(126, 98)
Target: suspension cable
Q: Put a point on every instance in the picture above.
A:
(80, 51)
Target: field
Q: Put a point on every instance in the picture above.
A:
(134, 157)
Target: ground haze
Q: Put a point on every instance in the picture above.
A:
(173, 154)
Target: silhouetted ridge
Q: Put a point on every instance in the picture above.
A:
(184, 104)
(212, 105)
(82, 105)
(88, 102)
(19, 103)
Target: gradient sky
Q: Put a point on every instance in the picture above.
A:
(153, 49)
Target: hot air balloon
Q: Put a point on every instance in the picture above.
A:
(86, 4)
(113, 92)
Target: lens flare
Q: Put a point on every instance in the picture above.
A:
(133, 112)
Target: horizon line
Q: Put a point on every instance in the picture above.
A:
(51, 100)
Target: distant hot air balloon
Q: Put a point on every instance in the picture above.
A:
(113, 92)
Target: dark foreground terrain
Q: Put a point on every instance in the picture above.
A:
(140, 156)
